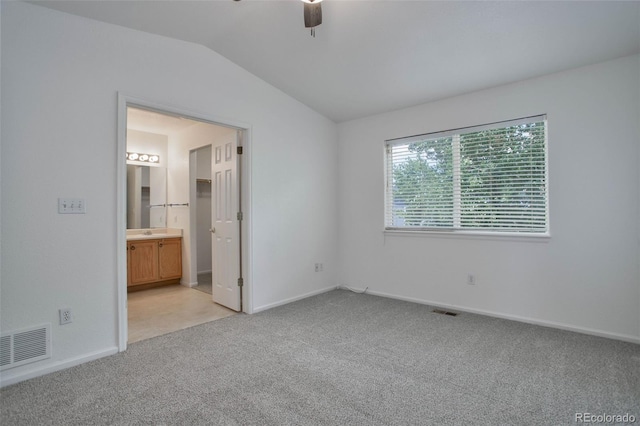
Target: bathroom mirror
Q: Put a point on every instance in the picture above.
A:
(146, 197)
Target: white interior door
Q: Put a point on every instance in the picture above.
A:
(224, 222)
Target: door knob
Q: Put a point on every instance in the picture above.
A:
(212, 230)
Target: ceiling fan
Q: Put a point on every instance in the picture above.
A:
(312, 14)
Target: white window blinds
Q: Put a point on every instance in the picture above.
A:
(490, 178)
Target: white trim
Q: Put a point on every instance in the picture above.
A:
(528, 320)
(7, 378)
(546, 175)
(121, 223)
(247, 220)
(293, 299)
(184, 112)
(467, 129)
(472, 235)
(121, 256)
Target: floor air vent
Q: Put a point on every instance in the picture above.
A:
(25, 346)
(440, 311)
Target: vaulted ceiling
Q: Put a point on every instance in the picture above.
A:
(370, 57)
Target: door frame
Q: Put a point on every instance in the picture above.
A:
(244, 188)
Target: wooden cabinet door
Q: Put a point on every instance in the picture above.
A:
(143, 261)
(170, 258)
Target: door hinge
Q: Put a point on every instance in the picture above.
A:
(239, 216)
(239, 150)
(240, 282)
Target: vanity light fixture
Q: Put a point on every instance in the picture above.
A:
(144, 158)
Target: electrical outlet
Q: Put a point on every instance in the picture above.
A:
(65, 316)
(471, 279)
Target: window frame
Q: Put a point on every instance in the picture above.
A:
(460, 231)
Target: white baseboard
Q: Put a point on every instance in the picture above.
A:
(528, 320)
(7, 378)
(292, 299)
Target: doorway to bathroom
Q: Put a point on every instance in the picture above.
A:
(175, 139)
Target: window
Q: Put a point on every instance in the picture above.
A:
(490, 178)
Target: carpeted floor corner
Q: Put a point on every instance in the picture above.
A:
(341, 359)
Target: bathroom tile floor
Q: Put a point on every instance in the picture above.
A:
(162, 310)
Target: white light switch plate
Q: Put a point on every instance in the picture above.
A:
(71, 206)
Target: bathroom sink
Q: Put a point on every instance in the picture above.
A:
(154, 233)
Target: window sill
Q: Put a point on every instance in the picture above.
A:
(471, 235)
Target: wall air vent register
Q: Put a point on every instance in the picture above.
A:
(25, 346)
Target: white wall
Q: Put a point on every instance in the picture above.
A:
(203, 163)
(585, 277)
(60, 78)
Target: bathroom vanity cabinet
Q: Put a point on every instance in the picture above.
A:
(153, 262)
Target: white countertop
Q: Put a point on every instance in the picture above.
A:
(153, 233)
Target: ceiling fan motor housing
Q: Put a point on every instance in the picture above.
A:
(312, 14)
